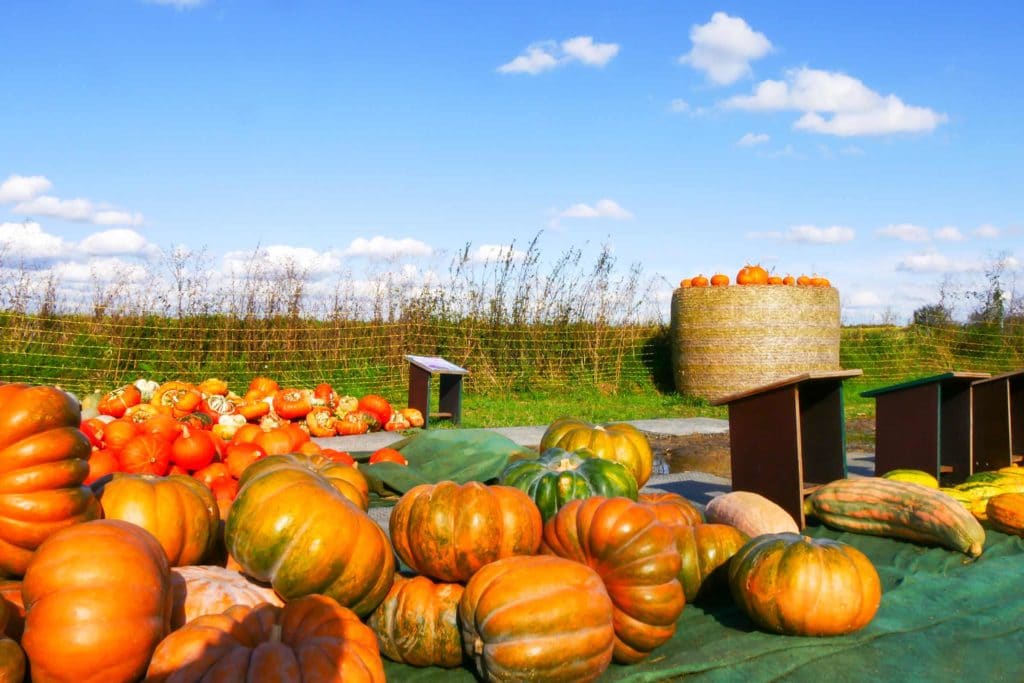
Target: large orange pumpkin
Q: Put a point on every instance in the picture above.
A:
(417, 624)
(636, 557)
(618, 441)
(347, 480)
(179, 511)
(291, 528)
(97, 601)
(796, 585)
(534, 617)
(309, 639)
(43, 462)
(448, 531)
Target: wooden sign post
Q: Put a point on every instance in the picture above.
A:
(421, 369)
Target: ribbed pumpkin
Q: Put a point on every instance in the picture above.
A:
(97, 602)
(43, 462)
(179, 511)
(417, 624)
(12, 657)
(636, 557)
(671, 508)
(291, 528)
(309, 639)
(347, 480)
(616, 441)
(559, 476)
(796, 585)
(448, 531)
(200, 590)
(537, 618)
(1005, 513)
(704, 552)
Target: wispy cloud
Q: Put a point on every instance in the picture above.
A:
(26, 193)
(604, 208)
(753, 139)
(547, 55)
(280, 257)
(904, 232)
(949, 234)
(678, 106)
(852, 108)
(724, 47)
(380, 247)
(491, 253)
(118, 242)
(808, 234)
(987, 231)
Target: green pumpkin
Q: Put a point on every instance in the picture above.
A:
(559, 476)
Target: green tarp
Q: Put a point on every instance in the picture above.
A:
(942, 618)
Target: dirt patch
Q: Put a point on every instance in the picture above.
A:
(710, 452)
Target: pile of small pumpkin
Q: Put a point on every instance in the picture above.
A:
(211, 434)
(309, 589)
(754, 275)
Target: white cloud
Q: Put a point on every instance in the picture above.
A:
(724, 47)
(931, 261)
(490, 253)
(52, 207)
(588, 52)
(752, 139)
(905, 232)
(19, 188)
(117, 242)
(116, 217)
(280, 257)
(810, 234)
(852, 151)
(986, 231)
(547, 55)
(604, 208)
(863, 299)
(949, 234)
(99, 270)
(678, 106)
(27, 240)
(855, 109)
(386, 247)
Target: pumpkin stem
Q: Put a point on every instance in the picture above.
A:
(275, 633)
(478, 646)
(565, 464)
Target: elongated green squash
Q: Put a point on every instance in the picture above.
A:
(897, 509)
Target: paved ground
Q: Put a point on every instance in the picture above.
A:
(698, 487)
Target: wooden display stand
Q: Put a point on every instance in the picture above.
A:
(421, 369)
(998, 439)
(788, 437)
(925, 424)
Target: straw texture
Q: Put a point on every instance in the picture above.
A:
(731, 339)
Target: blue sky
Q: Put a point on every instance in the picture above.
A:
(876, 143)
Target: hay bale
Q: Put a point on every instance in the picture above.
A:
(731, 339)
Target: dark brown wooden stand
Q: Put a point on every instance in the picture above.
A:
(421, 369)
(788, 437)
(998, 421)
(925, 424)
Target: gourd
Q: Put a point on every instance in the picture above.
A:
(795, 585)
(309, 639)
(291, 528)
(179, 511)
(897, 509)
(618, 441)
(751, 513)
(542, 618)
(1005, 513)
(448, 531)
(417, 624)
(97, 602)
(705, 551)
(43, 462)
(636, 557)
(559, 476)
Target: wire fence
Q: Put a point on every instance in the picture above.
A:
(88, 353)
